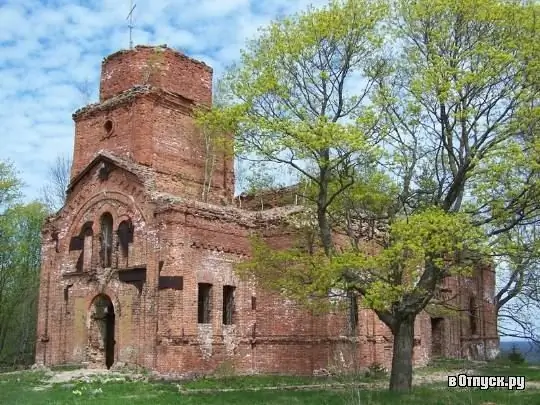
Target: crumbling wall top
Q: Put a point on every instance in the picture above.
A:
(157, 66)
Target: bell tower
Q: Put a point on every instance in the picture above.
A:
(145, 115)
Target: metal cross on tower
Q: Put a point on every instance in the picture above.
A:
(130, 22)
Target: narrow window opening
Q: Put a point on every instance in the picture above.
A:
(56, 241)
(228, 304)
(437, 325)
(125, 238)
(108, 126)
(472, 316)
(205, 303)
(106, 239)
(253, 303)
(66, 292)
(353, 312)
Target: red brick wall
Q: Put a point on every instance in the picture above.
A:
(278, 336)
(63, 317)
(153, 127)
(157, 66)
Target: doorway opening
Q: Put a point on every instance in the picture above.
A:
(101, 339)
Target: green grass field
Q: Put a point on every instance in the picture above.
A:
(32, 388)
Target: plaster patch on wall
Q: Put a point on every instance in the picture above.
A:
(128, 355)
(79, 328)
(230, 339)
(205, 337)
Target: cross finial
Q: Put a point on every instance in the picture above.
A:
(130, 22)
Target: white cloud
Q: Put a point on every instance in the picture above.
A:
(51, 50)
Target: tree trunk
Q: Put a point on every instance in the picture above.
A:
(325, 231)
(401, 375)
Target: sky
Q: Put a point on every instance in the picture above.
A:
(51, 53)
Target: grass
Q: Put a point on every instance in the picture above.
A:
(19, 389)
(275, 381)
(530, 373)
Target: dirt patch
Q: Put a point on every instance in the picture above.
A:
(68, 377)
(86, 375)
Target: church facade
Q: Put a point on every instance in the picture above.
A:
(137, 267)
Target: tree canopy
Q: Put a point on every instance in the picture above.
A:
(20, 259)
(422, 115)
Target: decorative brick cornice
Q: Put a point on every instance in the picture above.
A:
(171, 100)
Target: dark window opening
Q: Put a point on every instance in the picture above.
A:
(436, 336)
(353, 312)
(472, 316)
(205, 303)
(66, 297)
(253, 303)
(228, 304)
(125, 236)
(108, 126)
(66, 292)
(82, 243)
(135, 276)
(80, 263)
(106, 239)
(104, 171)
(172, 282)
(76, 243)
(55, 239)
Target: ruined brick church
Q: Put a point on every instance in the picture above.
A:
(137, 268)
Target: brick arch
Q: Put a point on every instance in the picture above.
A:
(124, 217)
(106, 208)
(101, 347)
(96, 199)
(95, 292)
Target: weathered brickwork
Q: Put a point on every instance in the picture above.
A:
(138, 267)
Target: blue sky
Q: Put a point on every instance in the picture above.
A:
(51, 52)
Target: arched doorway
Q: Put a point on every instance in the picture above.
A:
(100, 350)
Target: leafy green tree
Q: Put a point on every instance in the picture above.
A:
(9, 185)
(420, 116)
(20, 253)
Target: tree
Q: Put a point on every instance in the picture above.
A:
(518, 299)
(436, 140)
(463, 113)
(53, 193)
(20, 251)
(10, 185)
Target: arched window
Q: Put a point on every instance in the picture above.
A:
(125, 238)
(106, 239)
(83, 243)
